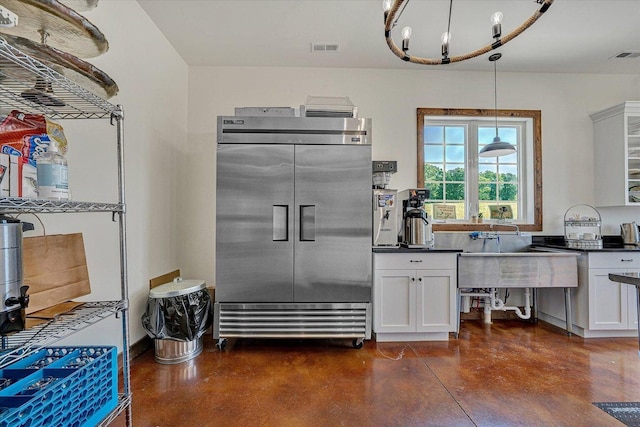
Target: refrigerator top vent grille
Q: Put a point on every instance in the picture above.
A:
(314, 112)
(329, 106)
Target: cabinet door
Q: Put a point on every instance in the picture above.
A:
(333, 223)
(608, 301)
(394, 305)
(436, 301)
(254, 223)
(632, 304)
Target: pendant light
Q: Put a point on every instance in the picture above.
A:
(497, 148)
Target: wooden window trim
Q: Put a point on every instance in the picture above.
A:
(535, 115)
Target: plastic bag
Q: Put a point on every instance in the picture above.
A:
(29, 135)
(181, 318)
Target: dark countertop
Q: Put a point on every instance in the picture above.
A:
(628, 278)
(605, 248)
(609, 244)
(399, 250)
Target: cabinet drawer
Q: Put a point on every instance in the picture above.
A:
(417, 261)
(614, 260)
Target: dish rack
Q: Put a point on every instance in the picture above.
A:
(583, 227)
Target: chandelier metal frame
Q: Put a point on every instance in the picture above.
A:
(390, 21)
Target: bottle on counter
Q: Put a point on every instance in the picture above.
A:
(52, 173)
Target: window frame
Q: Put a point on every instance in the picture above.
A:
(536, 118)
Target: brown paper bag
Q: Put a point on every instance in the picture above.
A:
(55, 269)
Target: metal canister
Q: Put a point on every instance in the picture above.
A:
(416, 228)
(12, 292)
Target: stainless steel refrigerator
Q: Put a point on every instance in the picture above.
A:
(293, 228)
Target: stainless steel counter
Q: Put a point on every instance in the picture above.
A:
(399, 250)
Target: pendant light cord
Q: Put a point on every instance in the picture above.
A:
(449, 24)
(495, 92)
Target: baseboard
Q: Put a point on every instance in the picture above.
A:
(140, 346)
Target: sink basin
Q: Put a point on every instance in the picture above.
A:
(517, 270)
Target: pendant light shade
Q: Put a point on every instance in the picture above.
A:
(497, 148)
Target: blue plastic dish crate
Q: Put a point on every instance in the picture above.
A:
(70, 386)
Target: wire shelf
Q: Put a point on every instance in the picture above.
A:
(18, 205)
(23, 343)
(19, 74)
(123, 402)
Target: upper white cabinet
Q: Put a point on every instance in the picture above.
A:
(616, 133)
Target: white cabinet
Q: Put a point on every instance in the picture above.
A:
(414, 296)
(612, 305)
(616, 132)
(600, 307)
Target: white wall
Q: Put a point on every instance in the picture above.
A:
(153, 92)
(390, 98)
(170, 134)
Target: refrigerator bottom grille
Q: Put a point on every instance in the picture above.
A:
(313, 320)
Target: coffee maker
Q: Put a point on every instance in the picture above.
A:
(385, 206)
(416, 228)
(13, 292)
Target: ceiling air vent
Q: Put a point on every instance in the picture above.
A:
(627, 54)
(325, 47)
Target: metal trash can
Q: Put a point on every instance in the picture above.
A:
(177, 316)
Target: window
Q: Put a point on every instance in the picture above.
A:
(463, 185)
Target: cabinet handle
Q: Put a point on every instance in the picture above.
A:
(420, 279)
(626, 260)
(416, 260)
(413, 279)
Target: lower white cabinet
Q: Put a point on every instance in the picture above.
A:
(612, 305)
(600, 307)
(414, 296)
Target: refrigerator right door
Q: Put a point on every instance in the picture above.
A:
(254, 223)
(333, 223)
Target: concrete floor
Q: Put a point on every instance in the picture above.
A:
(511, 373)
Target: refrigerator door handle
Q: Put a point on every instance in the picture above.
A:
(280, 223)
(307, 223)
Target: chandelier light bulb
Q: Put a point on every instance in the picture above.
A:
(386, 5)
(406, 33)
(496, 29)
(445, 37)
(496, 18)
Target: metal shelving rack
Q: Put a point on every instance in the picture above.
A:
(64, 99)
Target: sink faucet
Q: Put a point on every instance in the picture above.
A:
(491, 226)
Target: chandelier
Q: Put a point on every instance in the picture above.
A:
(393, 8)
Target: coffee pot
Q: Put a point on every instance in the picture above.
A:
(629, 233)
(417, 230)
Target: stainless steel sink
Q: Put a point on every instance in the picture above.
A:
(517, 270)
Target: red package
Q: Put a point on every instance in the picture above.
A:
(24, 135)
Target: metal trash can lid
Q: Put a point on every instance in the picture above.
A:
(176, 288)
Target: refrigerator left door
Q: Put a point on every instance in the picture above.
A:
(254, 223)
